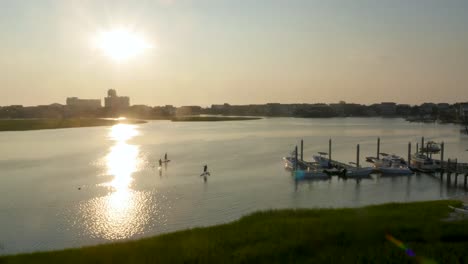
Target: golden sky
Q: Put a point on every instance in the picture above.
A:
(204, 52)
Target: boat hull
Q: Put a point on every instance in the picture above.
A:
(359, 172)
(313, 174)
(395, 171)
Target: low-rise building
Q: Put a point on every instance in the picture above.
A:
(443, 107)
(115, 102)
(403, 109)
(427, 108)
(463, 111)
(83, 104)
(188, 110)
(387, 108)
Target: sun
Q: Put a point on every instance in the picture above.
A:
(121, 44)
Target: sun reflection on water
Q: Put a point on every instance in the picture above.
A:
(123, 212)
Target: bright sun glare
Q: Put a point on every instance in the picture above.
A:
(121, 44)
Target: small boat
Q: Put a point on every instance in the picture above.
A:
(310, 174)
(289, 162)
(205, 173)
(391, 165)
(431, 147)
(423, 163)
(463, 209)
(322, 160)
(304, 170)
(358, 172)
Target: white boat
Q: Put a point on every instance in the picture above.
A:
(431, 147)
(391, 165)
(289, 162)
(421, 162)
(322, 160)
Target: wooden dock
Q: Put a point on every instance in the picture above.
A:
(452, 166)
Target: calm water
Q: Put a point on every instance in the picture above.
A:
(123, 195)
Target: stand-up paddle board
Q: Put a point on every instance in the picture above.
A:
(206, 173)
(166, 161)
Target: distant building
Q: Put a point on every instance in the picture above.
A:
(339, 108)
(427, 108)
(114, 102)
(387, 108)
(463, 111)
(220, 107)
(443, 107)
(403, 109)
(188, 110)
(169, 110)
(83, 104)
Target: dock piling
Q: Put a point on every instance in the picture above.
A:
(330, 149)
(295, 159)
(442, 147)
(378, 148)
(417, 147)
(422, 145)
(302, 149)
(409, 153)
(357, 156)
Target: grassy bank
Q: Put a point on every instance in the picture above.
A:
(210, 118)
(35, 124)
(320, 236)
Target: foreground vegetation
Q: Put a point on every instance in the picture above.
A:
(35, 124)
(319, 236)
(210, 118)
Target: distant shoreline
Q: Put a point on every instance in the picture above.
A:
(211, 118)
(59, 123)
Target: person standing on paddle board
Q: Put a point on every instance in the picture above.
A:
(160, 162)
(205, 168)
(165, 157)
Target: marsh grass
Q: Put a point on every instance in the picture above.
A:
(315, 235)
(36, 124)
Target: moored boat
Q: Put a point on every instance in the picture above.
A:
(463, 209)
(289, 162)
(423, 163)
(322, 159)
(358, 172)
(311, 173)
(431, 147)
(391, 165)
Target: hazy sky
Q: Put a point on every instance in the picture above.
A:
(238, 51)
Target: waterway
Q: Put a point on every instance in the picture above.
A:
(84, 186)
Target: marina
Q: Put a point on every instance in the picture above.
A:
(323, 166)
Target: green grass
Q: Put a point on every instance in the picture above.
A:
(318, 236)
(35, 124)
(210, 118)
